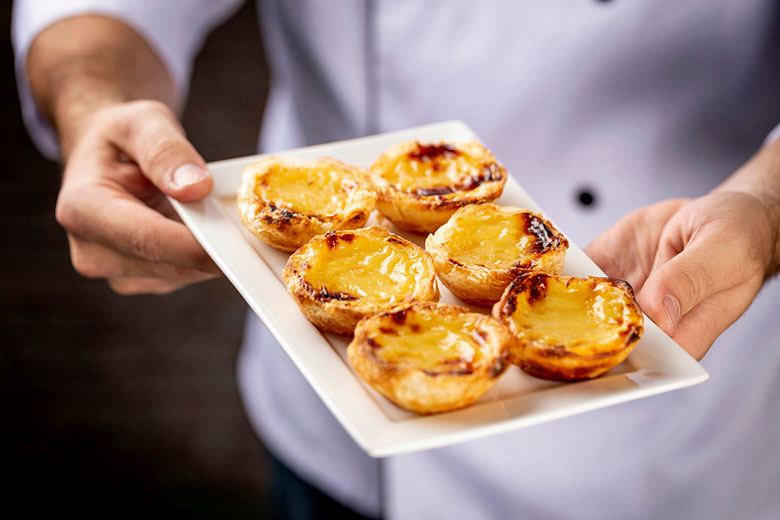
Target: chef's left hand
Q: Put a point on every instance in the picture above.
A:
(695, 264)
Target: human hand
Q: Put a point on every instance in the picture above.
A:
(112, 202)
(695, 265)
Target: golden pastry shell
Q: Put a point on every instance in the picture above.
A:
(561, 362)
(287, 229)
(427, 391)
(481, 285)
(339, 313)
(423, 213)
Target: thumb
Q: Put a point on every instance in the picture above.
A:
(152, 137)
(684, 281)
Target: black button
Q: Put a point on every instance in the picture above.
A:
(586, 197)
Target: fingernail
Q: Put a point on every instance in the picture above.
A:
(672, 307)
(187, 175)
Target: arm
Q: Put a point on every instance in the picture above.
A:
(760, 177)
(121, 155)
(82, 64)
(696, 265)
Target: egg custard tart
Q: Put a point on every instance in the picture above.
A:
(421, 185)
(285, 201)
(343, 276)
(567, 328)
(429, 357)
(483, 247)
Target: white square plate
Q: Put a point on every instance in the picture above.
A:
(657, 364)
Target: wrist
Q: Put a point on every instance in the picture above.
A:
(82, 64)
(760, 178)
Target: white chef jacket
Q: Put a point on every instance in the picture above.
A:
(631, 101)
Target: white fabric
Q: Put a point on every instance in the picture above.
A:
(175, 29)
(634, 101)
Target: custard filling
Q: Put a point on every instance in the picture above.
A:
(372, 269)
(436, 170)
(579, 316)
(319, 190)
(428, 341)
(494, 239)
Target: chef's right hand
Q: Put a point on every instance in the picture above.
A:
(112, 203)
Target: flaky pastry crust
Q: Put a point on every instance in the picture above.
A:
(567, 328)
(421, 185)
(285, 201)
(341, 277)
(482, 248)
(428, 357)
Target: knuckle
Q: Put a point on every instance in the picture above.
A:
(149, 106)
(164, 151)
(65, 213)
(695, 286)
(86, 264)
(82, 265)
(127, 120)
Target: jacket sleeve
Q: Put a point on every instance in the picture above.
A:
(773, 136)
(175, 29)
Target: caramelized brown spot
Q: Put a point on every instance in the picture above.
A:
(453, 261)
(323, 295)
(388, 331)
(399, 317)
(394, 240)
(490, 172)
(435, 190)
(622, 283)
(537, 288)
(510, 306)
(497, 368)
(635, 335)
(278, 216)
(429, 152)
(545, 237)
(306, 285)
(284, 212)
(371, 342)
(415, 327)
(558, 351)
(460, 372)
(331, 239)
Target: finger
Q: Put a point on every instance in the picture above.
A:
(626, 250)
(133, 286)
(700, 327)
(93, 260)
(133, 229)
(700, 271)
(151, 136)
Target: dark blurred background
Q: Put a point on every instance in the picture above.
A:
(121, 406)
